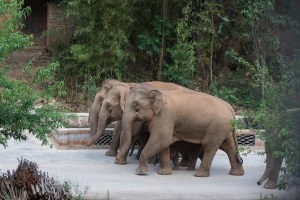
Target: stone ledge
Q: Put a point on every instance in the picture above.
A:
(76, 138)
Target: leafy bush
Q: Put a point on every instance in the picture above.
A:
(18, 112)
(182, 57)
(18, 101)
(99, 41)
(11, 38)
(279, 113)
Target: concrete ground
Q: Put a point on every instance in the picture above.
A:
(107, 180)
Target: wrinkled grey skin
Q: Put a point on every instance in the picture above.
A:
(175, 115)
(273, 166)
(192, 151)
(95, 111)
(108, 107)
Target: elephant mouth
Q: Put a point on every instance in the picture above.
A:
(140, 118)
(112, 119)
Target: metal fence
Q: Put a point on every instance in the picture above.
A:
(243, 140)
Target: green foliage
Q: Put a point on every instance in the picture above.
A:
(45, 77)
(11, 15)
(18, 111)
(281, 124)
(182, 55)
(150, 42)
(99, 41)
(78, 193)
(227, 94)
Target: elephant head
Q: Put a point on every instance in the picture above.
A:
(112, 107)
(142, 103)
(100, 96)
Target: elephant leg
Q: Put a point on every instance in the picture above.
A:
(185, 159)
(194, 156)
(156, 144)
(125, 142)
(140, 149)
(201, 153)
(132, 146)
(115, 143)
(165, 168)
(274, 174)
(210, 149)
(235, 161)
(269, 165)
(174, 157)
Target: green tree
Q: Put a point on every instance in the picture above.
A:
(18, 112)
(100, 39)
(11, 38)
(267, 72)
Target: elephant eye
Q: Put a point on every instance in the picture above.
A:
(136, 106)
(108, 107)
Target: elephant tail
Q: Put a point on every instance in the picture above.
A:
(237, 154)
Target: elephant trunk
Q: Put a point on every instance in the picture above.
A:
(94, 115)
(102, 123)
(126, 135)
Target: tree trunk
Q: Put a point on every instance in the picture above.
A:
(162, 46)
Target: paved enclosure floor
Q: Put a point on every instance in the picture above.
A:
(107, 180)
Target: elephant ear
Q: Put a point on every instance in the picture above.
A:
(157, 101)
(123, 94)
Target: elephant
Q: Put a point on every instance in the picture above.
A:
(111, 109)
(193, 151)
(140, 140)
(272, 170)
(174, 115)
(95, 110)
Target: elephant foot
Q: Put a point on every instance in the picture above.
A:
(165, 171)
(237, 172)
(270, 184)
(151, 160)
(111, 152)
(190, 169)
(202, 173)
(175, 168)
(120, 161)
(142, 170)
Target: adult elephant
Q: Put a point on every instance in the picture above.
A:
(179, 115)
(111, 109)
(95, 110)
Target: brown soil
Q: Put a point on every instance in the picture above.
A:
(40, 56)
(18, 59)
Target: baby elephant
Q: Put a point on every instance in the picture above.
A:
(189, 152)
